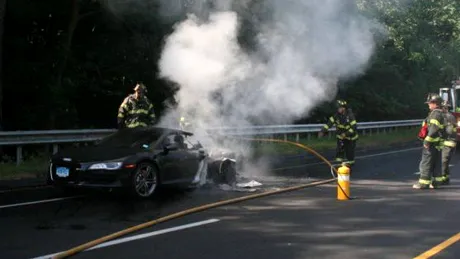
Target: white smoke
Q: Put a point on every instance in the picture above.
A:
(303, 49)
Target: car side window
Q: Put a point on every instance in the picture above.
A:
(184, 142)
(175, 138)
(168, 140)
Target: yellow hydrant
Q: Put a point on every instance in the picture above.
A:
(343, 182)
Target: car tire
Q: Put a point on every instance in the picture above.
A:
(145, 180)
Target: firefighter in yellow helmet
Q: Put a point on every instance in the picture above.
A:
(184, 124)
(136, 109)
(346, 132)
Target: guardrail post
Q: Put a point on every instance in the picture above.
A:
(18, 155)
(285, 137)
(55, 148)
(297, 137)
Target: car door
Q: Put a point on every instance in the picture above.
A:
(168, 160)
(194, 159)
(178, 165)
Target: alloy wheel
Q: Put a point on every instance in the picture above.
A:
(145, 180)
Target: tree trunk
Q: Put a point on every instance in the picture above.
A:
(74, 15)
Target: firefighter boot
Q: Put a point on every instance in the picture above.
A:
(419, 185)
(445, 180)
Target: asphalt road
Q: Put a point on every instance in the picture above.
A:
(386, 218)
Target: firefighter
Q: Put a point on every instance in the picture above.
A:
(432, 144)
(136, 109)
(450, 142)
(346, 132)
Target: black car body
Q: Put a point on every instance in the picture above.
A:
(140, 159)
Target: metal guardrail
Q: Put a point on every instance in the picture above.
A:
(309, 128)
(55, 137)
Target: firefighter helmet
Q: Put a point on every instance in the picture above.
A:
(434, 98)
(341, 103)
(141, 87)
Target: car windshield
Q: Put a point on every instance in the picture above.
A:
(130, 138)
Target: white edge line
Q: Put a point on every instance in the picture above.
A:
(37, 202)
(140, 236)
(366, 156)
(390, 152)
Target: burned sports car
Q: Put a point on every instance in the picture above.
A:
(141, 160)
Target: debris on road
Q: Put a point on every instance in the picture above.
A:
(249, 184)
(226, 187)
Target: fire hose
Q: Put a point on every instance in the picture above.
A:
(121, 233)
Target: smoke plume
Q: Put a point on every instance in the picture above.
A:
(301, 50)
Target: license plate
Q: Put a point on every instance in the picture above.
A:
(62, 171)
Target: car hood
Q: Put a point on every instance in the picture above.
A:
(92, 154)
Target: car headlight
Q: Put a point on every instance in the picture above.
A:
(106, 166)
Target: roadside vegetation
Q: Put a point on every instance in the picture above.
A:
(36, 166)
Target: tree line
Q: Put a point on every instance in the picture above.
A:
(69, 64)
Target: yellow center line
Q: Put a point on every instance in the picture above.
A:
(439, 247)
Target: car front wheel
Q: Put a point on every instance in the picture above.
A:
(145, 180)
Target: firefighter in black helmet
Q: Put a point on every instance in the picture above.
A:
(432, 145)
(346, 131)
(450, 143)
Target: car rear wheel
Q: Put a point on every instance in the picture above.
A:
(228, 172)
(145, 180)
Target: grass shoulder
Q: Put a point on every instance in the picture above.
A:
(326, 143)
(34, 167)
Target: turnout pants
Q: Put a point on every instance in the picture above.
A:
(447, 153)
(428, 174)
(345, 150)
